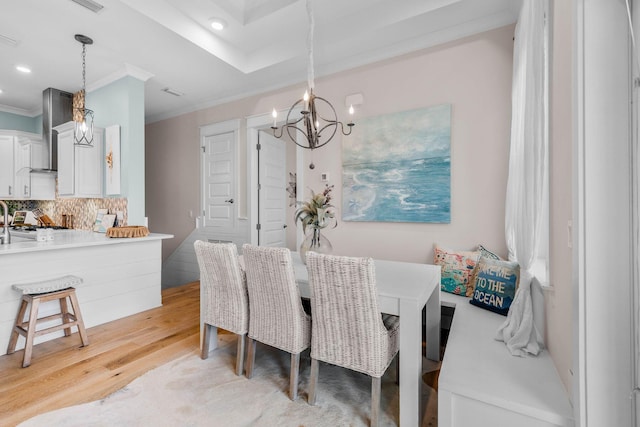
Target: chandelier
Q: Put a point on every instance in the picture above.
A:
(312, 116)
(83, 117)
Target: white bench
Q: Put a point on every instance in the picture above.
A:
(481, 384)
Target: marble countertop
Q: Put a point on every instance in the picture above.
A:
(71, 239)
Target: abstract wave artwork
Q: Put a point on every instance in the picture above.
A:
(396, 167)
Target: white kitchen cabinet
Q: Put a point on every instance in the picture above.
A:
(7, 176)
(19, 153)
(22, 167)
(80, 168)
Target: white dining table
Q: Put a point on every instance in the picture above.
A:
(404, 289)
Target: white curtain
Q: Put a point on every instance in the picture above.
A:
(527, 173)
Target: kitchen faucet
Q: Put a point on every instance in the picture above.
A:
(5, 237)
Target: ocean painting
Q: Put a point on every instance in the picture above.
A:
(396, 167)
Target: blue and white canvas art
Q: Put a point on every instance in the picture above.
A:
(396, 167)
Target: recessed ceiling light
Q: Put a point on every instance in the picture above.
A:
(218, 24)
(23, 69)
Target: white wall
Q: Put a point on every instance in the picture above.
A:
(473, 74)
(602, 224)
(558, 298)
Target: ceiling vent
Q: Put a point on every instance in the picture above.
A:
(89, 4)
(8, 41)
(172, 92)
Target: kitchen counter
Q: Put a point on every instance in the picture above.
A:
(121, 276)
(64, 239)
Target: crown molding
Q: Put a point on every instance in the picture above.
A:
(20, 111)
(127, 70)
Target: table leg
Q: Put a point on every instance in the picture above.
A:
(410, 363)
(433, 325)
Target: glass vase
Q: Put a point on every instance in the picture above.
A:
(314, 241)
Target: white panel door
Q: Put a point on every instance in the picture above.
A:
(219, 167)
(272, 192)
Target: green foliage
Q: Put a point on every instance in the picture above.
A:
(318, 212)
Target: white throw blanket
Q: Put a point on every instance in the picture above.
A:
(519, 331)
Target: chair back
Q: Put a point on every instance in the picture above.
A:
(223, 290)
(276, 314)
(347, 328)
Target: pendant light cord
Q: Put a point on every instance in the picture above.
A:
(310, 75)
(84, 55)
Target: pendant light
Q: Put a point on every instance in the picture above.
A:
(317, 120)
(82, 116)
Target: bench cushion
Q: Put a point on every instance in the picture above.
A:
(49, 285)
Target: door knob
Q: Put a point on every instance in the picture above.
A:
(284, 226)
(229, 201)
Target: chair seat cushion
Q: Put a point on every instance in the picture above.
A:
(49, 285)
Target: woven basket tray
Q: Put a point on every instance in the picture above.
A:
(129, 231)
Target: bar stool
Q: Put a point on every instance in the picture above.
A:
(36, 293)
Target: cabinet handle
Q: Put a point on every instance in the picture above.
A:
(229, 201)
(26, 190)
(10, 190)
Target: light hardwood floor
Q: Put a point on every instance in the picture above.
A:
(63, 374)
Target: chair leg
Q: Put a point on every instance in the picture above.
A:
(206, 335)
(251, 357)
(293, 376)
(313, 381)
(240, 354)
(376, 384)
(209, 339)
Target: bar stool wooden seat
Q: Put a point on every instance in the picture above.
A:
(36, 293)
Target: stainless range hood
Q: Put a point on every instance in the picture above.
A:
(57, 108)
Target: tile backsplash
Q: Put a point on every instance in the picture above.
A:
(83, 210)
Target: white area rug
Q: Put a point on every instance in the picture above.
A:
(192, 392)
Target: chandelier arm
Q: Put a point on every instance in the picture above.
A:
(295, 141)
(275, 128)
(349, 126)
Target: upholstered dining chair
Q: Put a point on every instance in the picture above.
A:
(348, 329)
(224, 302)
(276, 315)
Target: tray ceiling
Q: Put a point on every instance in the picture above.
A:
(263, 47)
